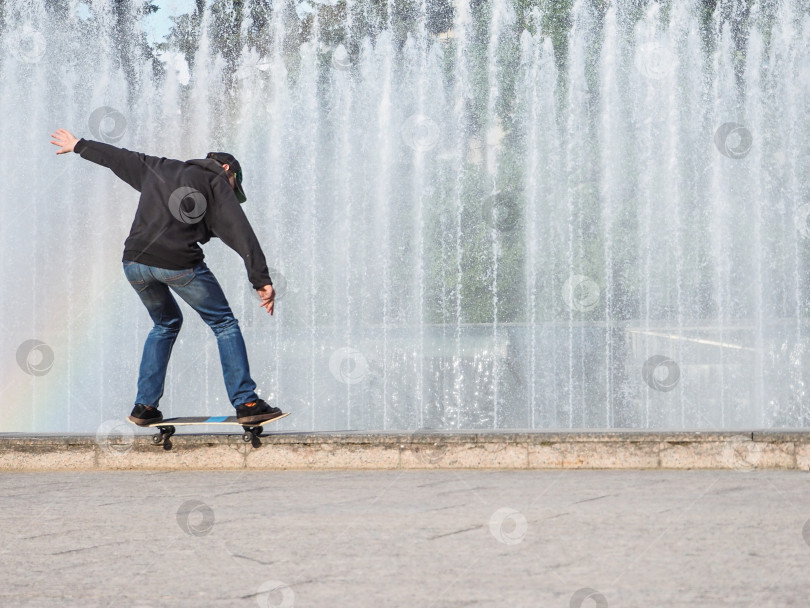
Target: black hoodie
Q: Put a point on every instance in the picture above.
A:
(166, 233)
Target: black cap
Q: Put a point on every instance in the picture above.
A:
(223, 158)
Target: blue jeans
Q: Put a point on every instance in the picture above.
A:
(200, 289)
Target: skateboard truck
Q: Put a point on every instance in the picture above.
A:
(251, 435)
(164, 436)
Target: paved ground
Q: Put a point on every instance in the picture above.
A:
(405, 538)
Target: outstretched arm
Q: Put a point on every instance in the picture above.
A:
(127, 165)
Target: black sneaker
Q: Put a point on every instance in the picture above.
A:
(256, 411)
(145, 415)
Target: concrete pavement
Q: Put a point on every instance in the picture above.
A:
(441, 538)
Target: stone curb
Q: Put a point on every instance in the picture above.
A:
(741, 450)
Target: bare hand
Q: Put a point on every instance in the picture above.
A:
(268, 296)
(65, 139)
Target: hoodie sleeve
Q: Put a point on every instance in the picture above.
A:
(228, 221)
(127, 165)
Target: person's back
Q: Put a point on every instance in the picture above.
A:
(170, 222)
(183, 204)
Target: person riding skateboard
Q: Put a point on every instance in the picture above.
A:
(183, 204)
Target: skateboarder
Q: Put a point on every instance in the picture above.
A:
(183, 204)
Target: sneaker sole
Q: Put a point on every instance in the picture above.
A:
(144, 421)
(258, 418)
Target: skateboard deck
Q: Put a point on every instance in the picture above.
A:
(166, 427)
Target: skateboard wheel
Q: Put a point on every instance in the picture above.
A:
(247, 437)
(157, 439)
(257, 431)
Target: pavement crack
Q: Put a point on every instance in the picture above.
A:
(443, 508)
(245, 491)
(455, 532)
(252, 559)
(291, 586)
(84, 548)
(555, 516)
(463, 490)
(60, 532)
(591, 499)
(441, 482)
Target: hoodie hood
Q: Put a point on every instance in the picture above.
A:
(209, 164)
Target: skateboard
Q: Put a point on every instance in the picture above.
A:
(166, 427)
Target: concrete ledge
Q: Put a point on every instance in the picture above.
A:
(743, 450)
